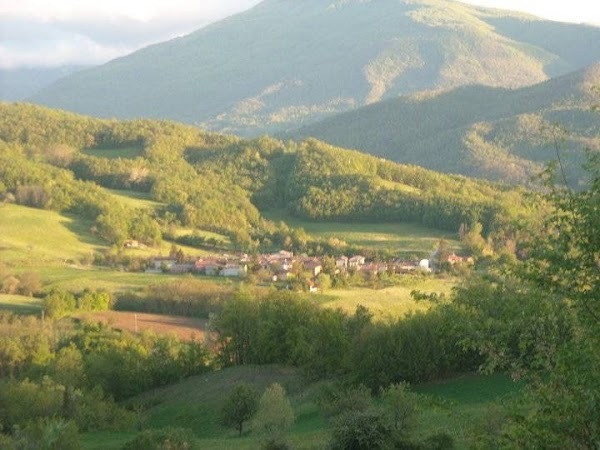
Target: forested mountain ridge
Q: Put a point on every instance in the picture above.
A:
(486, 132)
(285, 63)
(61, 161)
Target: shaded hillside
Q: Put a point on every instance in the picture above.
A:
(284, 63)
(475, 130)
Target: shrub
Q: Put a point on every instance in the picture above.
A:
(48, 434)
(360, 430)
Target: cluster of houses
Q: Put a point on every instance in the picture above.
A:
(283, 265)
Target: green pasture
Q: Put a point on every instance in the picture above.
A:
(389, 302)
(399, 238)
(130, 152)
(455, 406)
(20, 304)
(38, 238)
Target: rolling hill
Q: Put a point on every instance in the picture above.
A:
(494, 133)
(170, 175)
(286, 63)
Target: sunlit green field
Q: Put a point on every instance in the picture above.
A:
(390, 302)
(60, 249)
(402, 238)
(37, 238)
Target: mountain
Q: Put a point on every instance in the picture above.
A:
(495, 133)
(284, 63)
(18, 84)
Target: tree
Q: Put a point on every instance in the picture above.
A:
(29, 283)
(240, 406)
(58, 304)
(274, 416)
(542, 321)
(237, 327)
(401, 407)
(361, 430)
(565, 261)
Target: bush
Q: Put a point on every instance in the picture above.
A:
(360, 430)
(48, 434)
(163, 439)
(58, 304)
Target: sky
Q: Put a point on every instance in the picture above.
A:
(52, 33)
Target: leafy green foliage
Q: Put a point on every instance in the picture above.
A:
(48, 434)
(240, 407)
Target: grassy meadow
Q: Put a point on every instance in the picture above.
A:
(399, 238)
(455, 406)
(389, 302)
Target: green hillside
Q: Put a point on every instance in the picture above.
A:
(284, 63)
(454, 406)
(182, 178)
(475, 130)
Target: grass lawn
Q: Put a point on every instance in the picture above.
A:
(390, 302)
(20, 304)
(400, 238)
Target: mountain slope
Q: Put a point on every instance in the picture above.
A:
(284, 62)
(475, 130)
(17, 84)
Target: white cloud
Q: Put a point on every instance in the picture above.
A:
(53, 33)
